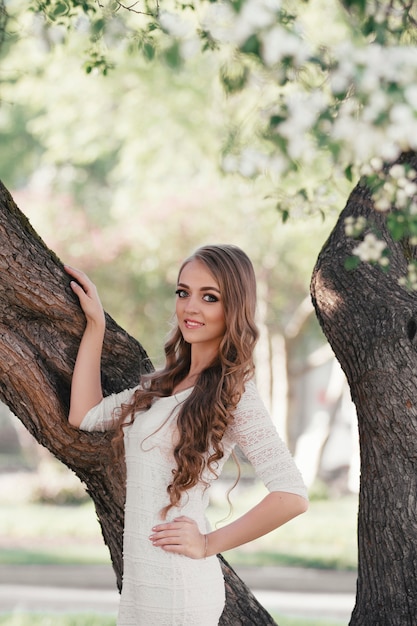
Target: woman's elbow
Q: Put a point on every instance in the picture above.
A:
(289, 505)
(303, 504)
(74, 420)
(299, 505)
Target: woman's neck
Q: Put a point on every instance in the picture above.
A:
(201, 359)
(196, 367)
(186, 383)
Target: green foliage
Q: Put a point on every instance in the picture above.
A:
(251, 46)
(63, 11)
(120, 175)
(233, 76)
(172, 55)
(352, 262)
(358, 5)
(384, 20)
(97, 61)
(148, 50)
(293, 49)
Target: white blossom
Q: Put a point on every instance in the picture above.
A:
(230, 163)
(389, 188)
(190, 47)
(377, 164)
(390, 149)
(354, 226)
(410, 94)
(225, 25)
(410, 188)
(254, 16)
(303, 111)
(401, 114)
(219, 20)
(370, 249)
(397, 171)
(377, 104)
(279, 43)
(276, 164)
(377, 120)
(252, 162)
(382, 204)
(410, 280)
(175, 24)
(401, 199)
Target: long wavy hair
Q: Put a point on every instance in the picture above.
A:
(208, 410)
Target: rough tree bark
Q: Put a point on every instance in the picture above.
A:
(371, 322)
(40, 328)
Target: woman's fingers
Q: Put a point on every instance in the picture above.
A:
(81, 278)
(182, 536)
(87, 294)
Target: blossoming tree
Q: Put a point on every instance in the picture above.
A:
(330, 85)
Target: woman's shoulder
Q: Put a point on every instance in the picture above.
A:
(250, 399)
(250, 392)
(250, 413)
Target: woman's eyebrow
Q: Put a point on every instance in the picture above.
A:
(201, 288)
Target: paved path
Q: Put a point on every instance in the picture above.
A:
(288, 591)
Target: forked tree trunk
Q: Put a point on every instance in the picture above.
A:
(40, 329)
(371, 322)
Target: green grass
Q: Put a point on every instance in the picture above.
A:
(88, 619)
(50, 534)
(70, 554)
(25, 520)
(324, 537)
(56, 619)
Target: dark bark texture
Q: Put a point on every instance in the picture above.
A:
(371, 322)
(41, 325)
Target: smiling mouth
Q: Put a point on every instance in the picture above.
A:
(193, 324)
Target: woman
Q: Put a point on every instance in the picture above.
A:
(178, 428)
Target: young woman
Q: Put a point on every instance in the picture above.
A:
(176, 430)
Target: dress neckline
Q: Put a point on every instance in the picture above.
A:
(178, 393)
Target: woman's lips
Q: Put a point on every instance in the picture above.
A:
(192, 324)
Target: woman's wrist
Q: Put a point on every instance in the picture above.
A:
(96, 324)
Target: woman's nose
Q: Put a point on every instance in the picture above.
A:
(192, 304)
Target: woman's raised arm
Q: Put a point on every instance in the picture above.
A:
(86, 389)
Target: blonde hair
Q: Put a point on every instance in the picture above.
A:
(208, 410)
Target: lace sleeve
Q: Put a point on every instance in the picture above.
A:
(255, 434)
(100, 417)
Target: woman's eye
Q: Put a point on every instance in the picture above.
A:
(181, 293)
(208, 297)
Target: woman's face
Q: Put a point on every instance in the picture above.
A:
(199, 306)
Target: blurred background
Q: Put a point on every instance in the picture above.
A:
(123, 175)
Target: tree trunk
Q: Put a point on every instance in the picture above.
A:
(371, 322)
(41, 324)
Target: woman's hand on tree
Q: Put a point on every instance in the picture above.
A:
(87, 294)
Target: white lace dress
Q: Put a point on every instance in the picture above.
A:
(163, 589)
